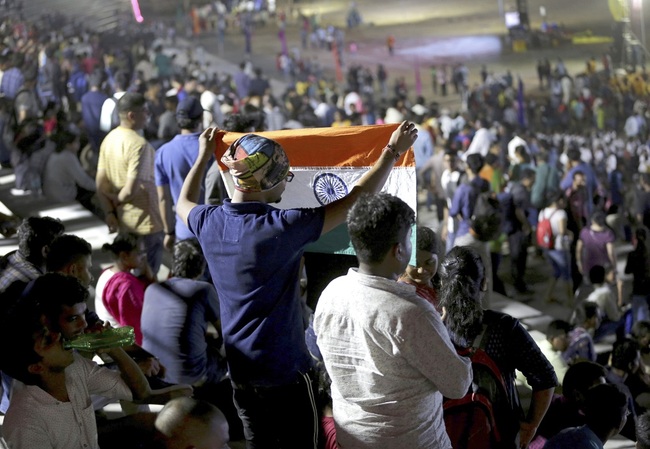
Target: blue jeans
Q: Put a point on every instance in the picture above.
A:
(561, 263)
(284, 417)
(640, 308)
(153, 246)
(7, 386)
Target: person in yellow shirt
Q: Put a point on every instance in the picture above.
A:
(125, 179)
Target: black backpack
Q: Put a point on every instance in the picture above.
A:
(472, 422)
(28, 136)
(486, 217)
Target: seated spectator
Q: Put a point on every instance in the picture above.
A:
(623, 365)
(122, 294)
(639, 382)
(611, 319)
(566, 409)
(187, 422)
(175, 319)
(605, 415)
(35, 234)
(52, 409)
(508, 344)
(641, 334)
(581, 344)
(422, 274)
(71, 255)
(64, 179)
(397, 374)
(70, 317)
(557, 341)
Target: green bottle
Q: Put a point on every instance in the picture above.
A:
(109, 338)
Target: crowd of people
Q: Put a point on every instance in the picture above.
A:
(113, 123)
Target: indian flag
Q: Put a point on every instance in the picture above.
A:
(327, 163)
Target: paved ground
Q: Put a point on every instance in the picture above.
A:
(427, 33)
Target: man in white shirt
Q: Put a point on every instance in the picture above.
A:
(481, 141)
(53, 409)
(385, 348)
(449, 181)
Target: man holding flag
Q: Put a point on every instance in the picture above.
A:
(253, 251)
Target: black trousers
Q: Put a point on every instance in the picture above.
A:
(284, 417)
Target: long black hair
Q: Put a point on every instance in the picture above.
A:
(462, 277)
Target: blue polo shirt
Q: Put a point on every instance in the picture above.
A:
(173, 162)
(91, 109)
(253, 252)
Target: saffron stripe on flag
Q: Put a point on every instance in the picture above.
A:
(327, 163)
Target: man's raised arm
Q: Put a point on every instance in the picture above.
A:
(374, 179)
(191, 190)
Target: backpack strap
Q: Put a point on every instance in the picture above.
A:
(478, 341)
(552, 213)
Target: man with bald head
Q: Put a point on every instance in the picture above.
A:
(187, 422)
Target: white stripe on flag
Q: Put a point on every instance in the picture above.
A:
(318, 186)
(314, 187)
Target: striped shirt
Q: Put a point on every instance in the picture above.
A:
(17, 268)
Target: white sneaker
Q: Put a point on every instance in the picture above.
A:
(20, 192)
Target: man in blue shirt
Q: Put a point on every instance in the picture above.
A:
(173, 162)
(91, 110)
(254, 252)
(464, 200)
(13, 79)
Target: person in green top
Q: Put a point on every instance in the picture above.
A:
(547, 181)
